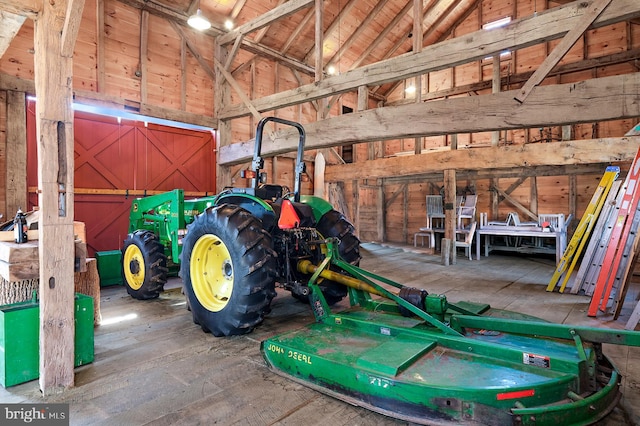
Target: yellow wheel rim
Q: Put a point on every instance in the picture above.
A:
(133, 267)
(211, 272)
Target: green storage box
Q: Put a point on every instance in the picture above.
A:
(109, 267)
(19, 339)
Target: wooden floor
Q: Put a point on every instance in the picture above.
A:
(154, 366)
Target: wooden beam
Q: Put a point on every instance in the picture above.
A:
(277, 13)
(515, 203)
(54, 133)
(521, 33)
(144, 48)
(267, 52)
(164, 12)
(16, 153)
(71, 27)
(100, 47)
(10, 24)
(319, 47)
(567, 42)
(28, 8)
(554, 105)
(87, 97)
(364, 25)
(530, 155)
(238, 89)
(194, 50)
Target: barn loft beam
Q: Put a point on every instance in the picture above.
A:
(10, 24)
(551, 105)
(580, 152)
(169, 14)
(87, 97)
(551, 24)
(277, 13)
(514, 79)
(28, 8)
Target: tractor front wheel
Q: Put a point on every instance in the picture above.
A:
(228, 269)
(144, 265)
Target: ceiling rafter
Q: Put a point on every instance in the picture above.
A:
(363, 25)
(334, 26)
(275, 14)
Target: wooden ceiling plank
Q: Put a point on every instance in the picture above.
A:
(594, 10)
(237, 8)
(10, 24)
(286, 9)
(71, 27)
(551, 105)
(521, 33)
(383, 35)
(361, 28)
(301, 26)
(333, 26)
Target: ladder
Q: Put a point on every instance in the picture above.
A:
(581, 235)
(618, 240)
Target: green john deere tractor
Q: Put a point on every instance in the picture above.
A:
(233, 248)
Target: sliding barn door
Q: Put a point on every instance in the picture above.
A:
(115, 157)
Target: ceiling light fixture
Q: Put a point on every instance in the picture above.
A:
(228, 24)
(198, 21)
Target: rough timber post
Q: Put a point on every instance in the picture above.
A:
(55, 31)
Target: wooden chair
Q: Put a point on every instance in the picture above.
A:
(468, 241)
(467, 210)
(435, 210)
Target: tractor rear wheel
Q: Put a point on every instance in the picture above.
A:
(334, 224)
(144, 265)
(228, 269)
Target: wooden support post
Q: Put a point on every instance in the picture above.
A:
(222, 99)
(16, 154)
(319, 37)
(450, 220)
(380, 208)
(54, 128)
(496, 88)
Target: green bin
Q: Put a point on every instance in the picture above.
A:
(19, 339)
(109, 267)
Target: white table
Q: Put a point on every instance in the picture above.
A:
(560, 238)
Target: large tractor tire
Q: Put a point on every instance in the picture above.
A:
(334, 224)
(144, 265)
(228, 268)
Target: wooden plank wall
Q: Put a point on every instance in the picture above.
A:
(555, 194)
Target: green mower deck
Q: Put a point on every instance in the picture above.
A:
(446, 363)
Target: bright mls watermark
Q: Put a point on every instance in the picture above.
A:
(34, 414)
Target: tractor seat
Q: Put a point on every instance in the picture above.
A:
(269, 192)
